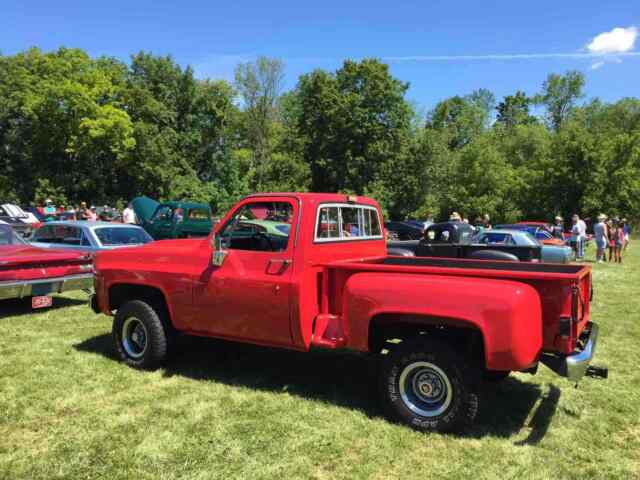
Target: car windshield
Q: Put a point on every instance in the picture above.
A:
(110, 236)
(284, 228)
(9, 237)
(528, 239)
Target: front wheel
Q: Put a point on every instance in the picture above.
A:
(429, 387)
(140, 337)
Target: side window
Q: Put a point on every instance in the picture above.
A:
(198, 214)
(85, 240)
(259, 226)
(347, 222)
(327, 223)
(163, 213)
(71, 235)
(44, 234)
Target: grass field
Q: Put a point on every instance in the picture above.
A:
(69, 410)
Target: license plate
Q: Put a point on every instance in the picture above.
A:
(41, 302)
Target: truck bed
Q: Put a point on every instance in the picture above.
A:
(467, 267)
(564, 289)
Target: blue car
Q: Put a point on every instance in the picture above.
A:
(520, 237)
(89, 236)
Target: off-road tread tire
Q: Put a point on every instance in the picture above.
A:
(465, 381)
(157, 347)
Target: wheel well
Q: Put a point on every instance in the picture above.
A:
(124, 292)
(389, 329)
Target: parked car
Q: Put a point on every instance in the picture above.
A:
(27, 271)
(539, 233)
(17, 219)
(458, 240)
(548, 253)
(438, 324)
(404, 230)
(89, 236)
(172, 219)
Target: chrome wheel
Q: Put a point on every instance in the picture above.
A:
(425, 389)
(134, 337)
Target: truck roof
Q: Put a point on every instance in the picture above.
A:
(321, 197)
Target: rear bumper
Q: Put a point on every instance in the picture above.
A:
(45, 286)
(575, 365)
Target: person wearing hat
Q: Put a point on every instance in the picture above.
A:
(49, 207)
(455, 217)
(557, 228)
(600, 232)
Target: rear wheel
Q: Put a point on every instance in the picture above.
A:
(139, 335)
(429, 387)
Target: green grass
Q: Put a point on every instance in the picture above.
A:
(68, 409)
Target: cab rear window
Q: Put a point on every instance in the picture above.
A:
(337, 222)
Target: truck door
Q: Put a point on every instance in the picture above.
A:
(249, 295)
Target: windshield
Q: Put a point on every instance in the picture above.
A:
(9, 237)
(111, 236)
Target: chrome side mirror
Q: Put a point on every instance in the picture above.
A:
(217, 259)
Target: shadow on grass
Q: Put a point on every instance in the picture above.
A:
(22, 306)
(340, 378)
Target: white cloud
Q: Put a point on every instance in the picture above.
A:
(618, 40)
(597, 65)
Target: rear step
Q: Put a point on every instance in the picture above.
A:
(327, 332)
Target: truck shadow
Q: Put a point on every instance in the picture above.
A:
(345, 379)
(22, 306)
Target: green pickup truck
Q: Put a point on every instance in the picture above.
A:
(172, 219)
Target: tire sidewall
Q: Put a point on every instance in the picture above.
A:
(157, 343)
(462, 408)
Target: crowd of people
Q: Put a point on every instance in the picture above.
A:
(105, 213)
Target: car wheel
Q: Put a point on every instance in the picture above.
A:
(139, 335)
(429, 387)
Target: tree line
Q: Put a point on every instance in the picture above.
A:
(78, 128)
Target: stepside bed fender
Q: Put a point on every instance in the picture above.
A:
(507, 313)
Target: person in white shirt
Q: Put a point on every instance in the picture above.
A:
(128, 215)
(578, 235)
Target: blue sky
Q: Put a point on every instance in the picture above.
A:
(213, 36)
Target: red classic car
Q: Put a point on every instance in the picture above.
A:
(27, 271)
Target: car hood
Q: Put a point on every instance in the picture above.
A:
(144, 207)
(24, 254)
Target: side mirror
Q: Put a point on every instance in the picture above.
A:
(217, 259)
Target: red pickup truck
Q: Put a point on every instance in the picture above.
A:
(302, 271)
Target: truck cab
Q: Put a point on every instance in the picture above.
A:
(305, 271)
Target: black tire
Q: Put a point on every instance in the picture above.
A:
(448, 392)
(493, 255)
(495, 376)
(139, 335)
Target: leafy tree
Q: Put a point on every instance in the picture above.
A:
(355, 126)
(260, 85)
(559, 95)
(460, 119)
(514, 110)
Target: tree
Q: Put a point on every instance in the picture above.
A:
(460, 119)
(355, 126)
(514, 110)
(260, 85)
(559, 95)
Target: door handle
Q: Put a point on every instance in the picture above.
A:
(277, 266)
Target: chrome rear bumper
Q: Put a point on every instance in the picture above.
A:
(45, 286)
(575, 365)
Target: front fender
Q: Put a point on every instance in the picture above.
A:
(507, 313)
